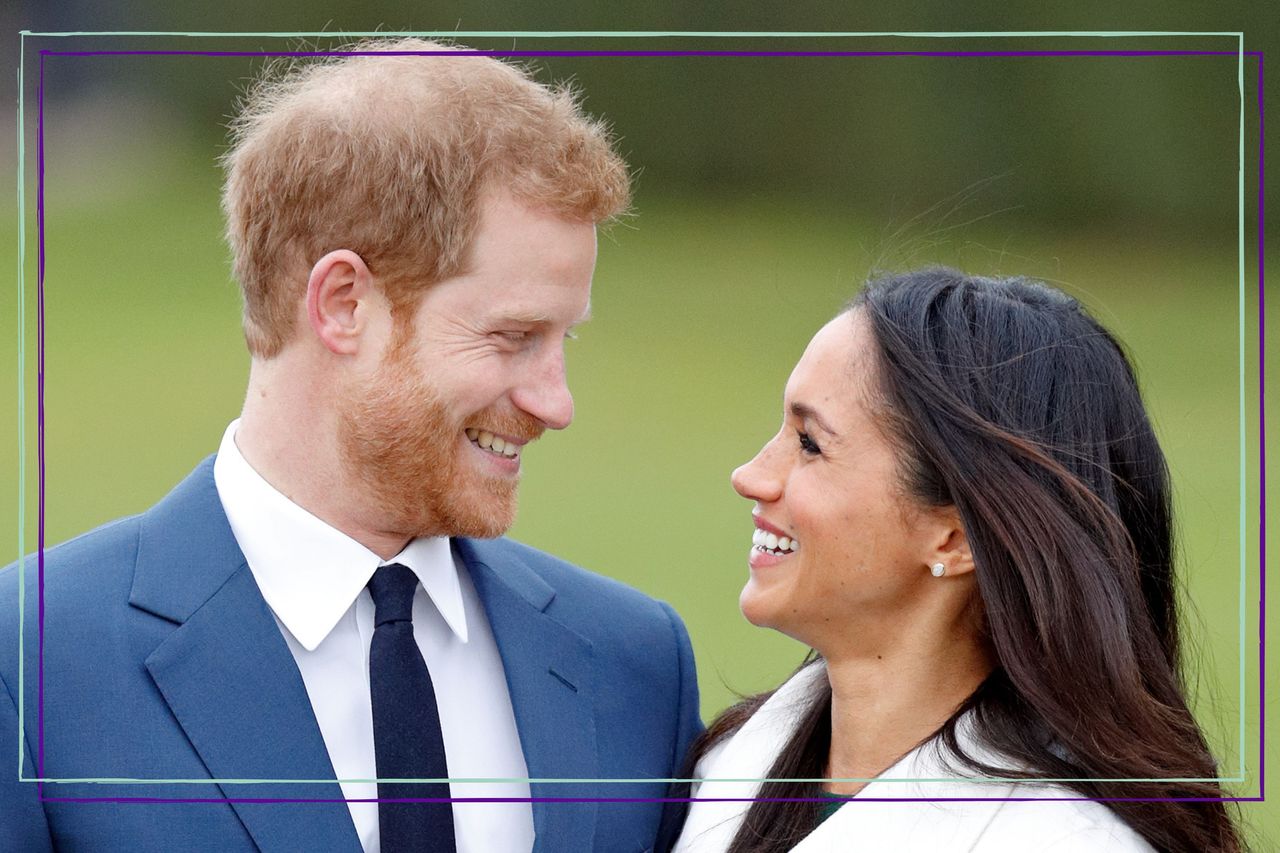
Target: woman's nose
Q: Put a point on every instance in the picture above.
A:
(757, 480)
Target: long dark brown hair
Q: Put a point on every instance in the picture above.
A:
(1009, 402)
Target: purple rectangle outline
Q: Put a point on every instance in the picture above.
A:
(654, 54)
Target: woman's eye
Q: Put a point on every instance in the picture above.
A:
(808, 445)
(515, 337)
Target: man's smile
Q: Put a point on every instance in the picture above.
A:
(494, 444)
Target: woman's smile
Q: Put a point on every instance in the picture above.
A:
(770, 545)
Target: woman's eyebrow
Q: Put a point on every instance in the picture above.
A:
(808, 413)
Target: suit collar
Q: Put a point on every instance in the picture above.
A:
(516, 576)
(550, 674)
(228, 676)
(186, 550)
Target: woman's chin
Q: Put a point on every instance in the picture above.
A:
(771, 608)
(763, 608)
(751, 606)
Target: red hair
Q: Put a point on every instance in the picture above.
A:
(387, 156)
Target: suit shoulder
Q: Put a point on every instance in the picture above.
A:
(98, 551)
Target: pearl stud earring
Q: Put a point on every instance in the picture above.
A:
(938, 570)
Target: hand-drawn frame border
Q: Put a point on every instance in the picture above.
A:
(1240, 53)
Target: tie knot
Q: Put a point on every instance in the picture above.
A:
(392, 587)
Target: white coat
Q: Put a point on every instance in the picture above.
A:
(868, 822)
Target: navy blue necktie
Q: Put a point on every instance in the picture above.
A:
(407, 741)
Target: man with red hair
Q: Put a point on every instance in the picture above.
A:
(323, 609)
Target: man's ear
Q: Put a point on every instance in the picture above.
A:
(340, 298)
(950, 546)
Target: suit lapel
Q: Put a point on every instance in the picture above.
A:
(228, 676)
(549, 672)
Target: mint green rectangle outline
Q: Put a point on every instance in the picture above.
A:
(1242, 414)
(648, 34)
(620, 781)
(22, 390)
(1239, 35)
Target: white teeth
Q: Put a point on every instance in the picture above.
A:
(494, 444)
(767, 541)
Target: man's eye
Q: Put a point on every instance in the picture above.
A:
(514, 336)
(808, 445)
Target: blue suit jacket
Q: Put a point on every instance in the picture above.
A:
(162, 662)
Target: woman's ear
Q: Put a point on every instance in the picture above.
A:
(950, 549)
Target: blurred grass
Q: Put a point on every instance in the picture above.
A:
(702, 307)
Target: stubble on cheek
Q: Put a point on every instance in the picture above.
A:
(409, 453)
(401, 448)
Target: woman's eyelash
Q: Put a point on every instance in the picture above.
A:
(808, 445)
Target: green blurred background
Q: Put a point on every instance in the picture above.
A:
(767, 189)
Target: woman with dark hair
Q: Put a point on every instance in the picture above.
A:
(966, 516)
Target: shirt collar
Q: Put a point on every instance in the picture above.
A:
(309, 572)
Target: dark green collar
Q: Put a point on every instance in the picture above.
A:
(832, 803)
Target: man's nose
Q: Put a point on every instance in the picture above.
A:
(545, 395)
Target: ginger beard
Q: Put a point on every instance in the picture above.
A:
(409, 454)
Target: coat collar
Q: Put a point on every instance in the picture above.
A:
(225, 671)
(925, 773)
(550, 675)
(186, 550)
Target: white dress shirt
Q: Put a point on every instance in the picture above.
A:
(313, 577)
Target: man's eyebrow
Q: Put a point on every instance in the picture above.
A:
(530, 319)
(808, 413)
(534, 318)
